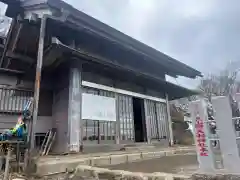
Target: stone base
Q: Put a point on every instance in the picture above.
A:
(215, 177)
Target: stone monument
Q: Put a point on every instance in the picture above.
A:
(217, 134)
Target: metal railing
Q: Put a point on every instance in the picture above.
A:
(13, 100)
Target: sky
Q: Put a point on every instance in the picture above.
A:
(204, 34)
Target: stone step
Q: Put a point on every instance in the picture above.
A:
(140, 147)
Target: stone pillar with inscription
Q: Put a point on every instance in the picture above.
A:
(198, 110)
(75, 109)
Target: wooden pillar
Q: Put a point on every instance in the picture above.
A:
(147, 121)
(37, 82)
(75, 109)
(169, 122)
(117, 125)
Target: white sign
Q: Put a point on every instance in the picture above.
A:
(100, 108)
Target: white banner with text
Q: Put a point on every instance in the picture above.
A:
(99, 108)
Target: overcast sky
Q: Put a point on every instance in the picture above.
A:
(204, 34)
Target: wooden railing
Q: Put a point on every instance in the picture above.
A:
(13, 100)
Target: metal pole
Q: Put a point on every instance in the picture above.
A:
(38, 80)
(169, 122)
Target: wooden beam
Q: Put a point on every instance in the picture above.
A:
(7, 42)
(16, 37)
(11, 71)
(20, 57)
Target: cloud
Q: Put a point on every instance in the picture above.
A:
(203, 34)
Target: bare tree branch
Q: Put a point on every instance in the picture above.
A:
(219, 85)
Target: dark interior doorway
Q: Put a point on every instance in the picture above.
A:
(139, 120)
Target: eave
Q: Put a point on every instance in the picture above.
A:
(57, 49)
(80, 19)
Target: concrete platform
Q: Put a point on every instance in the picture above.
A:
(61, 164)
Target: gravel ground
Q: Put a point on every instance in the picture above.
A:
(12, 176)
(180, 164)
